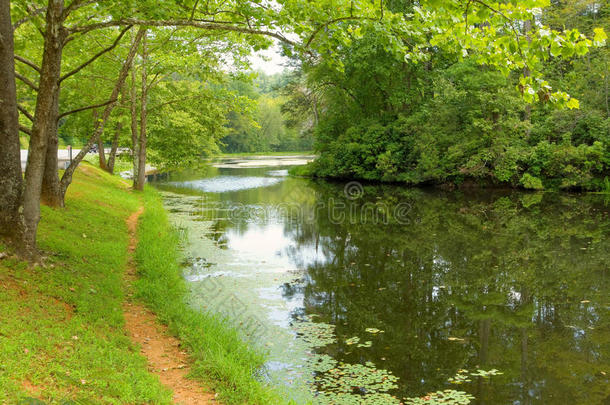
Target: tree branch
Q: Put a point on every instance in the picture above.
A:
(156, 78)
(25, 112)
(26, 81)
(89, 107)
(33, 13)
(25, 129)
(466, 17)
(512, 26)
(75, 5)
(211, 26)
(327, 23)
(28, 62)
(174, 101)
(97, 55)
(193, 12)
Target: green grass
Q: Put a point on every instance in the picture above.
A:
(121, 164)
(221, 357)
(61, 326)
(62, 335)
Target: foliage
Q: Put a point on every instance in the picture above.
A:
(263, 127)
(456, 120)
(449, 397)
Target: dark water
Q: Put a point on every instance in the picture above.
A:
(516, 282)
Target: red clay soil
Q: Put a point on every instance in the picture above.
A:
(165, 358)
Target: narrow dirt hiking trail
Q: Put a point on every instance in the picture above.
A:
(165, 358)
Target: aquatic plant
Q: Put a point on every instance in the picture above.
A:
(446, 397)
(315, 334)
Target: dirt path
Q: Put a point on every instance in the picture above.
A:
(165, 358)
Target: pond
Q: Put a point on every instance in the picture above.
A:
(386, 294)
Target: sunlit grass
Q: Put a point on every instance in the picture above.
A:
(61, 330)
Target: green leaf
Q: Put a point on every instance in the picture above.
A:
(599, 36)
(573, 104)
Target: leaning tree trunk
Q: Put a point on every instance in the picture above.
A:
(54, 38)
(140, 178)
(11, 182)
(50, 192)
(66, 179)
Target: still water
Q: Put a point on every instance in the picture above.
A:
(382, 294)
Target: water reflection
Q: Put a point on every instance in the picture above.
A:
(494, 280)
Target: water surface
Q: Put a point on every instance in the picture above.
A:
(385, 294)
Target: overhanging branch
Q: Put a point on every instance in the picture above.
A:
(97, 55)
(25, 129)
(25, 112)
(336, 20)
(28, 62)
(89, 107)
(211, 26)
(33, 13)
(510, 22)
(75, 5)
(26, 81)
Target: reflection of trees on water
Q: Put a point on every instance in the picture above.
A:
(492, 281)
(501, 274)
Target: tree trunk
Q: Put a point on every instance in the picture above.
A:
(606, 87)
(527, 27)
(115, 146)
(50, 192)
(101, 152)
(135, 145)
(11, 182)
(66, 179)
(54, 38)
(100, 145)
(140, 179)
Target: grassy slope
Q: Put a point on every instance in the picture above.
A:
(61, 326)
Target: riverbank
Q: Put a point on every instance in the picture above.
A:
(601, 184)
(62, 330)
(263, 154)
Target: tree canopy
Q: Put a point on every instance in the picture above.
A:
(82, 69)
